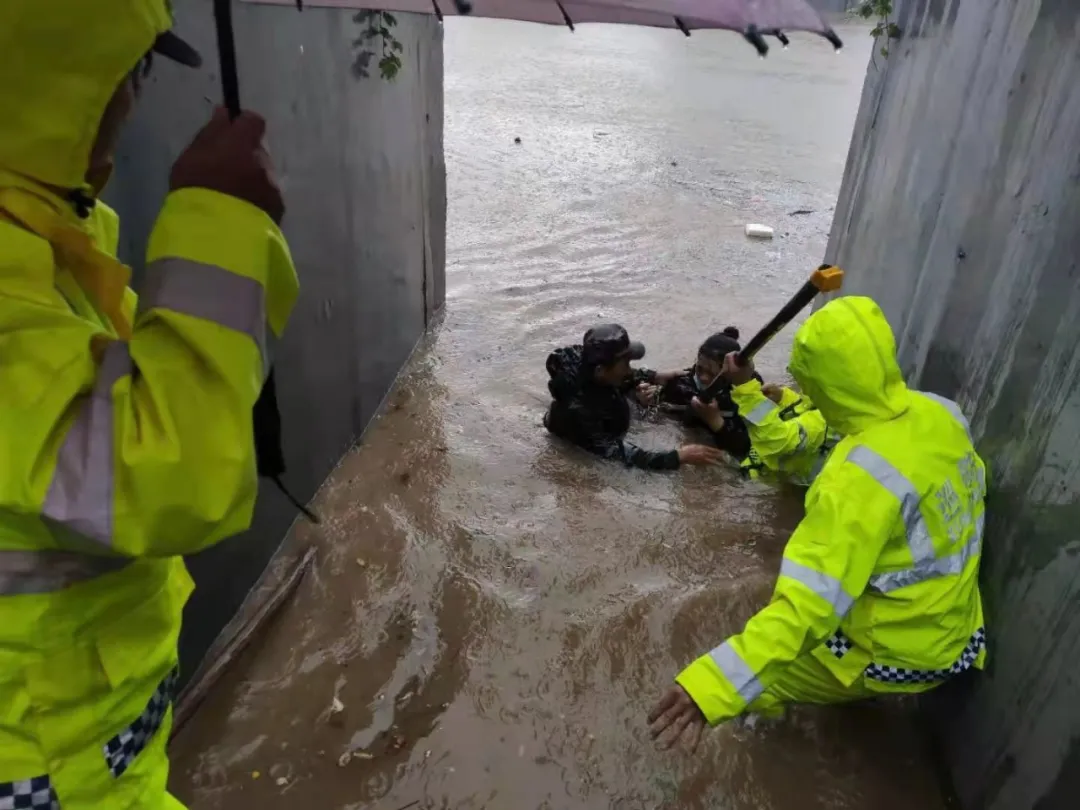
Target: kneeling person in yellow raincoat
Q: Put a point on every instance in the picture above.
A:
(126, 433)
(878, 589)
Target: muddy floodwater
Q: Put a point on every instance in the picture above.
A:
(492, 612)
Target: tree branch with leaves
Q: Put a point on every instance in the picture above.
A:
(376, 38)
(880, 11)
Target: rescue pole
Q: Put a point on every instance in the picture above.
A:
(827, 278)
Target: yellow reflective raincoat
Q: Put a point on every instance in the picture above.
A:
(788, 439)
(878, 588)
(125, 426)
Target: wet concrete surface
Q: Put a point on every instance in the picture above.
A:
(493, 612)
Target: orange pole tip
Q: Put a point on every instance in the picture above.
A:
(827, 278)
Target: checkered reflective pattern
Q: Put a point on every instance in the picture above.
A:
(838, 644)
(901, 675)
(122, 749)
(29, 793)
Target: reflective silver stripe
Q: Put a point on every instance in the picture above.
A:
(737, 671)
(758, 413)
(80, 496)
(931, 569)
(952, 408)
(803, 438)
(27, 572)
(825, 586)
(918, 537)
(208, 292)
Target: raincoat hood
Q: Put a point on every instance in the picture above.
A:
(60, 63)
(844, 359)
(564, 368)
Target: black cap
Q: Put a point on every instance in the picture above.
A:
(172, 47)
(606, 344)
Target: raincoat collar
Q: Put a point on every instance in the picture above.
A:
(844, 359)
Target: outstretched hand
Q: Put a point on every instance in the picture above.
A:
(676, 717)
(773, 391)
(700, 455)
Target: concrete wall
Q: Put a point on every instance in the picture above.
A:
(960, 213)
(361, 165)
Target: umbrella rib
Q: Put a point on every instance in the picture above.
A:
(682, 26)
(438, 11)
(565, 16)
(754, 37)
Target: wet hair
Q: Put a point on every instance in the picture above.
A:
(717, 347)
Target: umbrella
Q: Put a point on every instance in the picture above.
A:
(751, 18)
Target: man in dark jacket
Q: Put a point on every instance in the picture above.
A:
(590, 384)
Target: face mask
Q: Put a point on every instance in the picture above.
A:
(698, 384)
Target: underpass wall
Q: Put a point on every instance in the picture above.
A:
(959, 213)
(360, 162)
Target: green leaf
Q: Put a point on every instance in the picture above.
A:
(389, 67)
(389, 18)
(397, 46)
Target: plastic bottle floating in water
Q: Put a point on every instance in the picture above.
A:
(756, 231)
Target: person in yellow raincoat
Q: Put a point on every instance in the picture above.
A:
(125, 426)
(878, 588)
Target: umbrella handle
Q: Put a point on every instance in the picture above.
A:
(226, 43)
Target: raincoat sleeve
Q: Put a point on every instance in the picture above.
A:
(180, 393)
(772, 436)
(826, 566)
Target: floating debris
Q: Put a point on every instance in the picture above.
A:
(349, 756)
